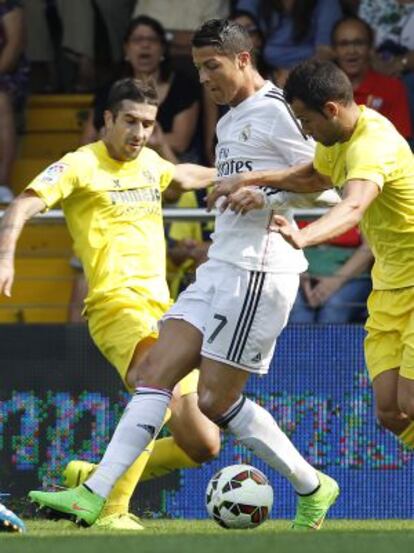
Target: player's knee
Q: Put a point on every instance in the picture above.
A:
(209, 405)
(144, 373)
(214, 405)
(206, 449)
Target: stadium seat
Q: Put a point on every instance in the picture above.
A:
(25, 169)
(44, 277)
(41, 291)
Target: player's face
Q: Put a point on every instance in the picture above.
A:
(320, 126)
(128, 132)
(352, 49)
(222, 75)
(144, 50)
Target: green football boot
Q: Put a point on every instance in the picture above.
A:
(78, 505)
(312, 509)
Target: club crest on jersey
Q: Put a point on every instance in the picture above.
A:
(52, 173)
(245, 133)
(149, 176)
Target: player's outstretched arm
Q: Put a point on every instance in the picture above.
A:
(248, 198)
(189, 176)
(357, 196)
(22, 208)
(300, 178)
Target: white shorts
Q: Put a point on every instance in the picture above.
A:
(239, 312)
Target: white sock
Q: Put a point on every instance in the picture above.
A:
(139, 424)
(255, 428)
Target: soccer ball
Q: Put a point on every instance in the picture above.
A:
(239, 496)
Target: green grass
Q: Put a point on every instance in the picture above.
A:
(176, 536)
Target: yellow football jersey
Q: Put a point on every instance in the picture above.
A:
(378, 153)
(114, 215)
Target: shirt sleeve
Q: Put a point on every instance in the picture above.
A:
(373, 161)
(287, 135)
(57, 181)
(167, 171)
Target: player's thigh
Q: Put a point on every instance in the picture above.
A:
(123, 327)
(248, 311)
(192, 430)
(383, 344)
(175, 353)
(219, 387)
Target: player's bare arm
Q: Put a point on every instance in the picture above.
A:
(357, 196)
(300, 178)
(248, 198)
(25, 206)
(189, 176)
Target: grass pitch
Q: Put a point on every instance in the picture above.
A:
(186, 536)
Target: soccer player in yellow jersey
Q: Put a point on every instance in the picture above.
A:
(110, 192)
(360, 152)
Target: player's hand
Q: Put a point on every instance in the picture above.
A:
(224, 187)
(6, 276)
(245, 199)
(290, 234)
(323, 290)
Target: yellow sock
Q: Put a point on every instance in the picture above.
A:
(166, 457)
(406, 437)
(118, 500)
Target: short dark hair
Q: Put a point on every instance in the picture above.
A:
(354, 19)
(227, 37)
(131, 89)
(155, 25)
(317, 82)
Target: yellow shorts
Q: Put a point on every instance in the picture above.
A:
(118, 324)
(390, 327)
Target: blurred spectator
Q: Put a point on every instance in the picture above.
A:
(353, 42)
(211, 111)
(66, 31)
(147, 57)
(336, 287)
(295, 30)
(181, 18)
(14, 74)
(393, 21)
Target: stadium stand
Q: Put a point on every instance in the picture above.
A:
(44, 277)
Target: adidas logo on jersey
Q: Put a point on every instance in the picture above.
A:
(257, 358)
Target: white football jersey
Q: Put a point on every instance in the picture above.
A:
(259, 133)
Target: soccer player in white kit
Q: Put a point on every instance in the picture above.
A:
(228, 321)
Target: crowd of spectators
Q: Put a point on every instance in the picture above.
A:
(85, 45)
